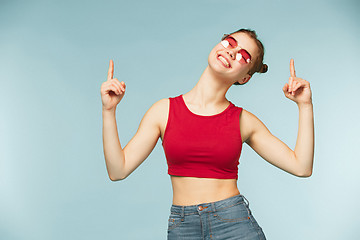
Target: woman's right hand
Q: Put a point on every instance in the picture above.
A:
(112, 91)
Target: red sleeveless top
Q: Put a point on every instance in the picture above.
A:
(202, 146)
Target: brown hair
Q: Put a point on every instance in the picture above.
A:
(258, 66)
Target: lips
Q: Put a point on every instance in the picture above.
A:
(224, 61)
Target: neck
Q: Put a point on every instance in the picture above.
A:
(210, 89)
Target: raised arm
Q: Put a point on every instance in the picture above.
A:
(120, 162)
(299, 161)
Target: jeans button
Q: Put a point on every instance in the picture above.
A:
(200, 208)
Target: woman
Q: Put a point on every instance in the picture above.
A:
(202, 134)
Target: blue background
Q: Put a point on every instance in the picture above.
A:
(54, 56)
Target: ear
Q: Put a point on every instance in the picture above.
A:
(244, 79)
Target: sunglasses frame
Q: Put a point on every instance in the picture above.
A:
(237, 45)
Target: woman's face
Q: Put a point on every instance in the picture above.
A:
(223, 62)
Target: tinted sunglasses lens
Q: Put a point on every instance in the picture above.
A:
(229, 42)
(244, 56)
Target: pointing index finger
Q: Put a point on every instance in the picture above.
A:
(111, 70)
(292, 68)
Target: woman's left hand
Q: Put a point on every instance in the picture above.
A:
(297, 89)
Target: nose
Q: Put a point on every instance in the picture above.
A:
(231, 53)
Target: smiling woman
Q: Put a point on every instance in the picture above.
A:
(202, 134)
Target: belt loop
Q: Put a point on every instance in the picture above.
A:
(246, 201)
(247, 205)
(213, 207)
(182, 213)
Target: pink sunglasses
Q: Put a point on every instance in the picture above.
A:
(242, 55)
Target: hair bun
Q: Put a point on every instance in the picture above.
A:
(264, 68)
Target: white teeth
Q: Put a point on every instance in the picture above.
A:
(225, 43)
(223, 60)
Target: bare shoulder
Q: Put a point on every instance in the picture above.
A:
(248, 117)
(158, 112)
(249, 124)
(160, 108)
(161, 105)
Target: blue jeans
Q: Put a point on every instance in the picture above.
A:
(228, 219)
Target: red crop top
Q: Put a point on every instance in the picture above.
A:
(202, 146)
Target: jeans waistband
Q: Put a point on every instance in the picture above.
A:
(208, 207)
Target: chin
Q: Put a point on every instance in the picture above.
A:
(217, 67)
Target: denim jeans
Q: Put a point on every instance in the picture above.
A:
(228, 219)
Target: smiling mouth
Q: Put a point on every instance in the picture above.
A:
(224, 61)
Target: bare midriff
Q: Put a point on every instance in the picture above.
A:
(192, 191)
